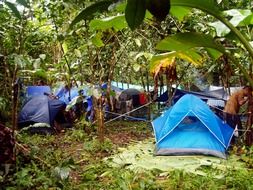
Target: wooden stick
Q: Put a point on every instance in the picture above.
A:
(28, 152)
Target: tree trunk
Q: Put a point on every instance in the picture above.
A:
(147, 78)
(101, 126)
(142, 79)
(110, 78)
(15, 96)
(249, 132)
(100, 118)
(149, 106)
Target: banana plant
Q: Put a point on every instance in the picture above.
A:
(186, 46)
(135, 14)
(13, 7)
(210, 7)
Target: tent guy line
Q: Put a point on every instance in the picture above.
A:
(125, 114)
(140, 119)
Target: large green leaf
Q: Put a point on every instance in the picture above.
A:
(179, 12)
(247, 21)
(23, 2)
(211, 7)
(88, 13)
(190, 56)
(116, 22)
(135, 12)
(13, 9)
(208, 6)
(141, 155)
(121, 6)
(97, 41)
(239, 17)
(65, 47)
(214, 53)
(221, 29)
(187, 41)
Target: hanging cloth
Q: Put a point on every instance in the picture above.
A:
(143, 98)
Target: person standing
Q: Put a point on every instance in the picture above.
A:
(231, 111)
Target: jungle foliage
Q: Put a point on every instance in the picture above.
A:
(145, 42)
(76, 160)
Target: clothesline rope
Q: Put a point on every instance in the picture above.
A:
(124, 114)
(141, 119)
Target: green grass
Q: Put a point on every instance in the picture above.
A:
(75, 160)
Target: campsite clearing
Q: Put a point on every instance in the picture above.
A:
(76, 160)
(93, 94)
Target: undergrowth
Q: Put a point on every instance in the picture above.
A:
(74, 160)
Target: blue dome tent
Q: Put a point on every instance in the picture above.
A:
(40, 109)
(190, 127)
(37, 90)
(67, 95)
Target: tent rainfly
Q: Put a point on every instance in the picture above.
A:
(40, 109)
(190, 127)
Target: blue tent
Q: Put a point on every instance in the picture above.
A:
(66, 95)
(40, 109)
(190, 127)
(208, 95)
(37, 90)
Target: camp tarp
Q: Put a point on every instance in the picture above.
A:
(222, 97)
(232, 89)
(67, 95)
(190, 127)
(128, 94)
(40, 109)
(128, 100)
(219, 94)
(126, 86)
(89, 104)
(215, 97)
(37, 90)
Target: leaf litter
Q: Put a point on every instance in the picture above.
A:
(140, 155)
